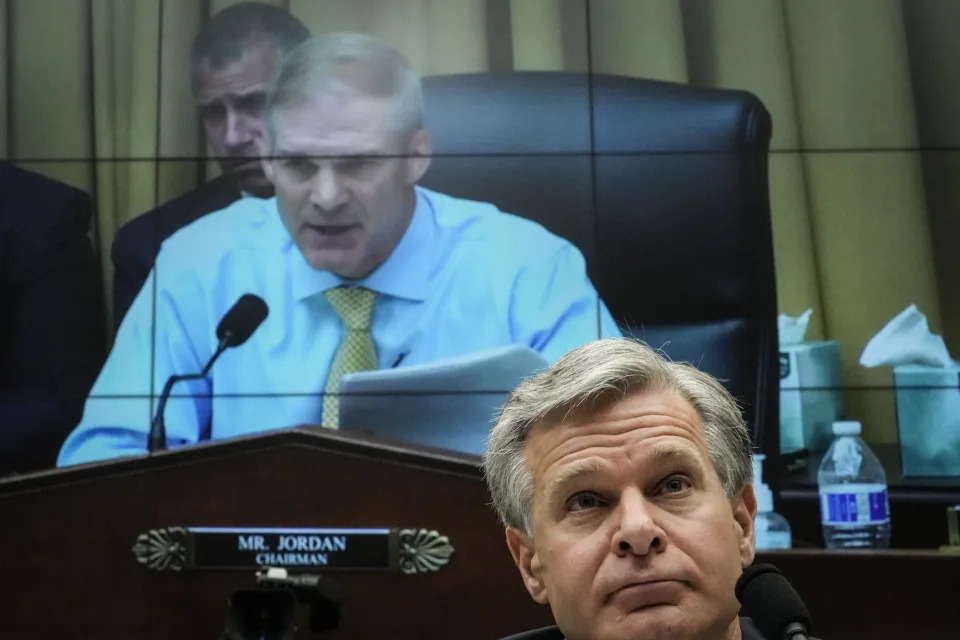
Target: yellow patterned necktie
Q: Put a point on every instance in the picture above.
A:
(356, 352)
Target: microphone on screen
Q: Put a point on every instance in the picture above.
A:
(236, 327)
(772, 603)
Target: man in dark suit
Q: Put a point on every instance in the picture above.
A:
(625, 485)
(52, 340)
(233, 61)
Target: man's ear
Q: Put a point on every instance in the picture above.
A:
(420, 152)
(528, 561)
(744, 512)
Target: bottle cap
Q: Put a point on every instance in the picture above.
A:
(846, 428)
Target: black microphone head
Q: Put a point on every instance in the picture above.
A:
(242, 320)
(770, 600)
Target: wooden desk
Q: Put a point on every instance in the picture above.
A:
(876, 595)
(70, 572)
(66, 538)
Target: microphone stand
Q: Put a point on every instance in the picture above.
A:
(158, 428)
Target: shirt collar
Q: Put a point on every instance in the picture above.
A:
(403, 275)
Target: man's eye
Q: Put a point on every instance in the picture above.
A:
(212, 112)
(298, 165)
(583, 501)
(253, 103)
(676, 484)
(356, 165)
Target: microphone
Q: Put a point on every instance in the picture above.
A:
(772, 603)
(234, 329)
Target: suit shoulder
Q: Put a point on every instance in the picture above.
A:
(51, 203)
(33, 184)
(187, 207)
(159, 223)
(22, 184)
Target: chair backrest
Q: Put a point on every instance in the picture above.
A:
(662, 186)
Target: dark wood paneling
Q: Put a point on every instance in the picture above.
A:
(72, 555)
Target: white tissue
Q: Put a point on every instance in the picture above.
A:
(906, 340)
(791, 329)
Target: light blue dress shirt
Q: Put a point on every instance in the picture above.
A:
(465, 277)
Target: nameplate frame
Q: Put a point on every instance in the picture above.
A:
(405, 551)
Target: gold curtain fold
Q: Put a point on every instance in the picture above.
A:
(456, 37)
(437, 36)
(49, 77)
(743, 44)
(642, 39)
(4, 116)
(536, 28)
(327, 17)
(125, 48)
(857, 121)
(934, 50)
(181, 143)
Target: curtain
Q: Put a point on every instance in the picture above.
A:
(865, 105)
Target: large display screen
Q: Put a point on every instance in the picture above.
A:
(435, 198)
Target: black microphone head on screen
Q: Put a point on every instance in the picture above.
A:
(771, 601)
(242, 320)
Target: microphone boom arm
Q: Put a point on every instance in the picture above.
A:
(158, 428)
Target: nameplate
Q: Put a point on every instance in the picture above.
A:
(407, 551)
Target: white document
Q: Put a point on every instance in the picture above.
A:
(450, 404)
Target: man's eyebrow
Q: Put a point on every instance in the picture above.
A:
(658, 455)
(575, 471)
(567, 476)
(258, 92)
(294, 152)
(671, 453)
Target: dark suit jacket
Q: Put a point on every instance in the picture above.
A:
(136, 244)
(747, 631)
(52, 329)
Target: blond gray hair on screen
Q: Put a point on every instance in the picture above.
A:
(589, 379)
(349, 65)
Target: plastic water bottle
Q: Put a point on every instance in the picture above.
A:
(771, 530)
(854, 508)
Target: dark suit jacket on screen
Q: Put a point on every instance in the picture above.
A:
(52, 333)
(137, 243)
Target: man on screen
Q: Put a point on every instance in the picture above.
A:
(624, 483)
(361, 268)
(232, 63)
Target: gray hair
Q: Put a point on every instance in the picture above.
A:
(355, 63)
(591, 378)
(230, 32)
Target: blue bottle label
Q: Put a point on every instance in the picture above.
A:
(854, 504)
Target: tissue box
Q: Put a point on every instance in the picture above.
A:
(810, 395)
(928, 419)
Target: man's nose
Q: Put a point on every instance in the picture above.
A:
(637, 531)
(239, 131)
(328, 192)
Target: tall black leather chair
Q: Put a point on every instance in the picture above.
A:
(662, 186)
